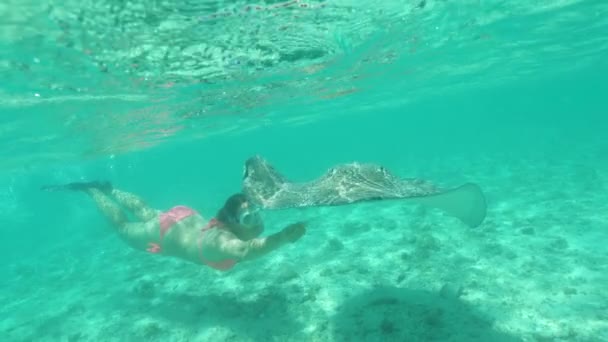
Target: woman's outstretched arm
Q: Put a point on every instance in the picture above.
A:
(241, 250)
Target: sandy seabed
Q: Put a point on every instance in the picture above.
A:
(535, 270)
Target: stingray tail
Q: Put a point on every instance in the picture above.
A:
(466, 203)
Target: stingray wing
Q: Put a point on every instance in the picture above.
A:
(352, 183)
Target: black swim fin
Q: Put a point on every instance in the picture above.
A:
(103, 186)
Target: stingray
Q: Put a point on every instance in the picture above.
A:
(350, 183)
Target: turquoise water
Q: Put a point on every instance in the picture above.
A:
(167, 99)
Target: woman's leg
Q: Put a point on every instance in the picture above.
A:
(135, 204)
(136, 234)
(108, 207)
(103, 192)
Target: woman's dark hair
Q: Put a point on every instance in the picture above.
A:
(230, 211)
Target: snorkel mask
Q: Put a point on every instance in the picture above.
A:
(250, 215)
